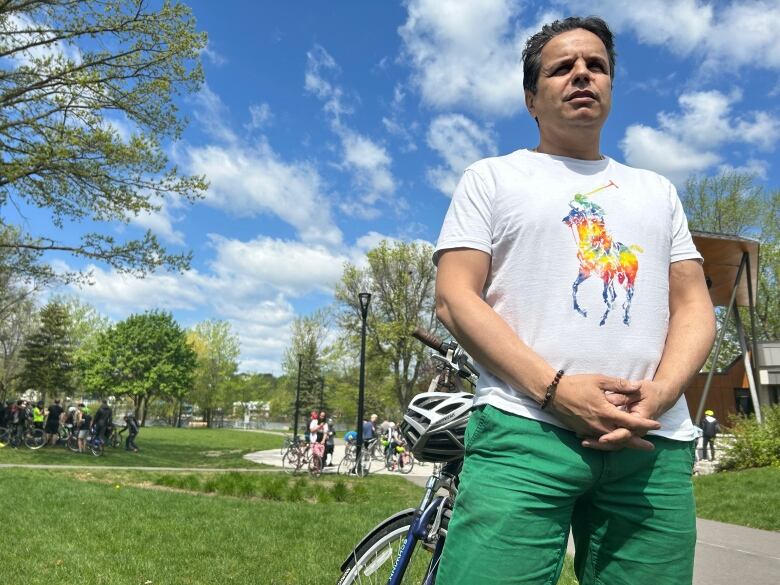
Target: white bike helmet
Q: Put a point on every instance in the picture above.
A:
(434, 424)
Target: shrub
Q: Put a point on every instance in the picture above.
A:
(340, 491)
(754, 445)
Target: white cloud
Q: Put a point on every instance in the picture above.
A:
(160, 222)
(121, 294)
(213, 56)
(210, 113)
(368, 161)
(460, 142)
(726, 36)
(248, 181)
(759, 168)
(260, 115)
(466, 54)
(688, 141)
(293, 268)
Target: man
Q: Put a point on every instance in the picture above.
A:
(710, 427)
(580, 420)
(53, 422)
(131, 425)
(83, 426)
(102, 420)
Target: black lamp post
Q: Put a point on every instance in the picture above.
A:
(365, 299)
(297, 399)
(322, 394)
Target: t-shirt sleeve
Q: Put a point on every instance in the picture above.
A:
(468, 223)
(683, 247)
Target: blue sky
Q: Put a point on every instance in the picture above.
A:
(325, 127)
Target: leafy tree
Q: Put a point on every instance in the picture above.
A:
(401, 278)
(733, 203)
(144, 357)
(87, 94)
(48, 353)
(217, 348)
(86, 324)
(303, 358)
(17, 323)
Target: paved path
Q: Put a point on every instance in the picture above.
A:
(419, 473)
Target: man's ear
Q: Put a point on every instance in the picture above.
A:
(529, 102)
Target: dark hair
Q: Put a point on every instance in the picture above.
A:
(532, 54)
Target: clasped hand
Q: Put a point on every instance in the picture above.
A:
(609, 413)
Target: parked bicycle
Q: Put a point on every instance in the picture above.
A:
(407, 546)
(296, 456)
(30, 437)
(348, 465)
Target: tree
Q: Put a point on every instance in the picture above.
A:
(401, 278)
(217, 348)
(17, 323)
(85, 326)
(86, 99)
(309, 335)
(733, 203)
(145, 356)
(48, 353)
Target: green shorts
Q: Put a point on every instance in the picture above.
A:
(525, 483)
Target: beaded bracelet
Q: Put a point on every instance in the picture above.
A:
(549, 395)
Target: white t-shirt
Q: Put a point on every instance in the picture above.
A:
(583, 281)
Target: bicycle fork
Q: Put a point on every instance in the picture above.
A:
(418, 531)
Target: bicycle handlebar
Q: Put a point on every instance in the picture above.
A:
(430, 340)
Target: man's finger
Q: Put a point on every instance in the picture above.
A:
(619, 385)
(638, 425)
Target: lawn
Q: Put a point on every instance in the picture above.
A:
(162, 447)
(749, 497)
(150, 528)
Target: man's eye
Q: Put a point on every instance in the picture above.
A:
(561, 69)
(597, 66)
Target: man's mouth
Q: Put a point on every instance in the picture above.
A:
(579, 94)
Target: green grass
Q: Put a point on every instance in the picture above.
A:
(749, 497)
(162, 447)
(134, 528)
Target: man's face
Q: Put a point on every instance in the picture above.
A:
(574, 88)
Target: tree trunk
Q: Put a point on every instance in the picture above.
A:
(146, 408)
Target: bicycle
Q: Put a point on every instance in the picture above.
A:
(296, 456)
(32, 438)
(348, 465)
(399, 459)
(406, 547)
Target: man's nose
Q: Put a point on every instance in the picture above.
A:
(580, 72)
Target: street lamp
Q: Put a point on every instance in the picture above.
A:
(322, 394)
(297, 399)
(365, 299)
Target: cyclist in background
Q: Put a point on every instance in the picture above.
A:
(131, 425)
(37, 415)
(580, 419)
(102, 420)
(53, 422)
(83, 425)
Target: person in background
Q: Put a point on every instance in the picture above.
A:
(330, 443)
(37, 415)
(53, 422)
(710, 429)
(102, 420)
(368, 431)
(131, 425)
(83, 425)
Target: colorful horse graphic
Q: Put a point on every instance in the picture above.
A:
(599, 254)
